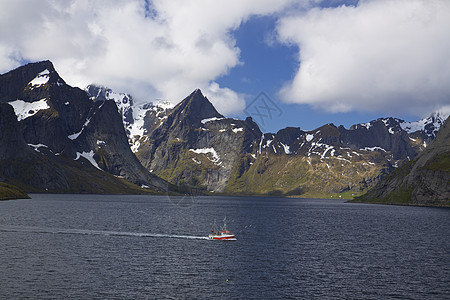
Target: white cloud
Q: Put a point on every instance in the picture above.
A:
(387, 56)
(225, 100)
(164, 52)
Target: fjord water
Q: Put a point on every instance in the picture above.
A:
(153, 247)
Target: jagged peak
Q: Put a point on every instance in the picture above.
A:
(44, 63)
(26, 82)
(197, 92)
(197, 95)
(31, 70)
(98, 92)
(197, 107)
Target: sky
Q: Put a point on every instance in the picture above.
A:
(299, 63)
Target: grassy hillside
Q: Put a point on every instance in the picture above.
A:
(63, 175)
(8, 191)
(284, 175)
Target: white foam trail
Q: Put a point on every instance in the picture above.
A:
(97, 232)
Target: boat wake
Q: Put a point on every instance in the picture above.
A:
(97, 232)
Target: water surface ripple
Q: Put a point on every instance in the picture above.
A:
(141, 247)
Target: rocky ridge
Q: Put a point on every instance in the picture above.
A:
(192, 144)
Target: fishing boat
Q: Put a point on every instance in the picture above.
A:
(224, 234)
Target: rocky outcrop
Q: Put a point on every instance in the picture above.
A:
(424, 181)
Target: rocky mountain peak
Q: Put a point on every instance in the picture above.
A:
(195, 108)
(124, 102)
(30, 82)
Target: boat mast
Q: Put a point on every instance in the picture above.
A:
(224, 228)
(215, 226)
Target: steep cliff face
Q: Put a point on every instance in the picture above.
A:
(61, 126)
(12, 141)
(424, 181)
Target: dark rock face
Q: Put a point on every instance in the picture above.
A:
(69, 129)
(424, 181)
(67, 109)
(193, 109)
(12, 141)
(105, 135)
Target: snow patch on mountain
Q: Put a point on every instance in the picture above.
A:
(215, 157)
(204, 121)
(286, 148)
(373, 149)
(36, 147)
(101, 143)
(134, 123)
(76, 135)
(428, 125)
(41, 79)
(309, 137)
(390, 127)
(25, 110)
(89, 156)
(268, 142)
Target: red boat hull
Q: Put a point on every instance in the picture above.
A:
(230, 238)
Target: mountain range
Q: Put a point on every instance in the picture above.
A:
(194, 145)
(58, 138)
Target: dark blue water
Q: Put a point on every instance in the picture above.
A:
(140, 247)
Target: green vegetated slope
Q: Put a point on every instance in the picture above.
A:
(282, 175)
(423, 181)
(8, 191)
(42, 175)
(285, 175)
